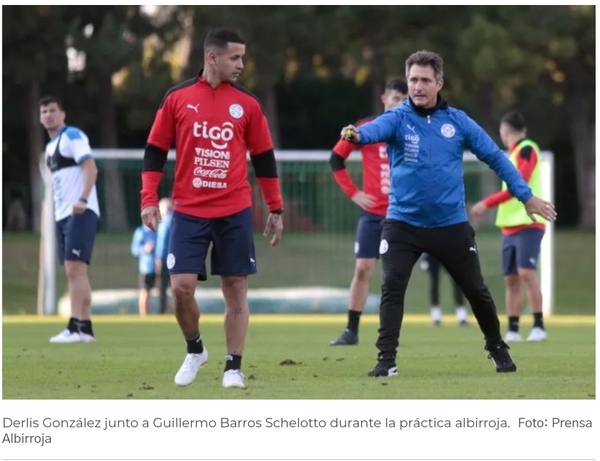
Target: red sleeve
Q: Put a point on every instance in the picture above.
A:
(258, 136)
(344, 180)
(526, 163)
(160, 140)
(344, 148)
(162, 133)
(260, 145)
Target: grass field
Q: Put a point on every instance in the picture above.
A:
(304, 260)
(137, 359)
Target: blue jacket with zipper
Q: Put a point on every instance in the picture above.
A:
(425, 150)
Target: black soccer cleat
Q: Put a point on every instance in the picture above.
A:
(386, 367)
(348, 338)
(498, 353)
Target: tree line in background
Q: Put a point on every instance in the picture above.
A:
(315, 69)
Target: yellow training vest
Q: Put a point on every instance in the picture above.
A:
(512, 212)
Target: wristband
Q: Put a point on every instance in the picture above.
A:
(83, 199)
(279, 211)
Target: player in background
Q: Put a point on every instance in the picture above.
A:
(373, 201)
(521, 238)
(214, 123)
(143, 247)
(76, 211)
(433, 268)
(163, 233)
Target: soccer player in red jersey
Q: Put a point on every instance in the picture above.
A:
(214, 123)
(373, 201)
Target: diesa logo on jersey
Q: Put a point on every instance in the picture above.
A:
(219, 135)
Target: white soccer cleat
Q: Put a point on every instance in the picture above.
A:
(233, 378)
(86, 338)
(512, 337)
(189, 368)
(66, 337)
(537, 334)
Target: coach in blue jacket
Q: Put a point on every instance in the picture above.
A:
(425, 143)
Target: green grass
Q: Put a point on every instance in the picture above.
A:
(137, 359)
(304, 260)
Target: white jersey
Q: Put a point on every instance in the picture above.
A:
(64, 155)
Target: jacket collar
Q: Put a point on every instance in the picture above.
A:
(440, 104)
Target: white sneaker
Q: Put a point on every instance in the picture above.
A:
(537, 334)
(512, 337)
(66, 337)
(85, 338)
(233, 378)
(189, 368)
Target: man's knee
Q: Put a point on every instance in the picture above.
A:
(75, 270)
(395, 281)
(234, 291)
(183, 286)
(528, 277)
(512, 282)
(234, 287)
(364, 268)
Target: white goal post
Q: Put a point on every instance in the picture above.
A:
(47, 296)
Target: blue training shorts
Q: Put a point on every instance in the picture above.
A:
(75, 235)
(368, 235)
(232, 245)
(521, 250)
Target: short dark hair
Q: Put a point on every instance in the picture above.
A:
(426, 58)
(47, 100)
(515, 120)
(219, 38)
(397, 84)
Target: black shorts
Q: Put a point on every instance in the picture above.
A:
(368, 235)
(232, 245)
(75, 235)
(147, 281)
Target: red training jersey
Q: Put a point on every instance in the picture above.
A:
(526, 163)
(376, 172)
(213, 129)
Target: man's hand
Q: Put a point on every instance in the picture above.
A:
(79, 207)
(151, 217)
(275, 224)
(350, 133)
(363, 200)
(148, 247)
(478, 209)
(536, 205)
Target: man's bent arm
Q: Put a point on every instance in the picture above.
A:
(90, 173)
(488, 152)
(382, 129)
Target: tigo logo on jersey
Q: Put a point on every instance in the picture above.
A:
(219, 135)
(447, 130)
(236, 111)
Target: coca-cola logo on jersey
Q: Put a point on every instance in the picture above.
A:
(219, 136)
(214, 174)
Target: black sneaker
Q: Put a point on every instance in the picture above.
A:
(348, 338)
(436, 323)
(464, 323)
(386, 366)
(499, 354)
